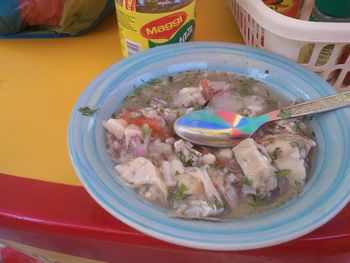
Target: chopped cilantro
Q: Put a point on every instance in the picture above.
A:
(155, 82)
(248, 82)
(251, 202)
(136, 93)
(194, 152)
(258, 200)
(197, 106)
(180, 193)
(285, 113)
(244, 111)
(307, 118)
(245, 181)
(87, 110)
(298, 184)
(261, 198)
(189, 162)
(282, 173)
(313, 135)
(295, 128)
(276, 153)
(215, 205)
(145, 129)
(210, 203)
(182, 158)
(245, 91)
(245, 88)
(134, 115)
(212, 166)
(273, 104)
(294, 144)
(240, 110)
(219, 205)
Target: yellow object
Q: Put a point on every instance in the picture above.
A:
(41, 79)
(140, 31)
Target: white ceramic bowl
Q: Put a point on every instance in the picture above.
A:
(325, 193)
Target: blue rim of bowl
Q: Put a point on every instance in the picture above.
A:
(95, 189)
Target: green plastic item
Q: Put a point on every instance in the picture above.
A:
(335, 8)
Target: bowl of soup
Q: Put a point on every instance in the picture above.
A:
(281, 183)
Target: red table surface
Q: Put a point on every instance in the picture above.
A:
(64, 218)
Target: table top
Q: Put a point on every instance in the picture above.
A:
(40, 81)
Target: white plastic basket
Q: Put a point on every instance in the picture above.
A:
(319, 46)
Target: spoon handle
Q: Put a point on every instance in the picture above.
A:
(319, 105)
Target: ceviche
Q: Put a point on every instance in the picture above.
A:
(193, 182)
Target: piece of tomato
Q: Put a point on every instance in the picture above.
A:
(207, 93)
(135, 117)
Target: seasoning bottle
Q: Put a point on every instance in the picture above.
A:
(145, 24)
(331, 11)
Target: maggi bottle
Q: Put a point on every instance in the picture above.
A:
(144, 24)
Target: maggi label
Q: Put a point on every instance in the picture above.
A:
(165, 27)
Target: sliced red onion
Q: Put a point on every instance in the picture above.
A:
(169, 179)
(115, 146)
(231, 192)
(234, 167)
(282, 188)
(160, 101)
(248, 190)
(135, 146)
(170, 140)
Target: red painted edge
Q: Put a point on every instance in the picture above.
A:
(47, 215)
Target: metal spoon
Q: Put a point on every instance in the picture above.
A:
(219, 128)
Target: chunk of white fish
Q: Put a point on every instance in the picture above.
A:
(208, 158)
(194, 186)
(256, 166)
(141, 171)
(168, 175)
(190, 96)
(185, 149)
(202, 175)
(289, 151)
(116, 127)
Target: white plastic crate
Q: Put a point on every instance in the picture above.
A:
(319, 46)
